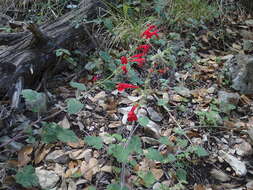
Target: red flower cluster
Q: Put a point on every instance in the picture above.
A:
(148, 34)
(138, 58)
(131, 116)
(122, 86)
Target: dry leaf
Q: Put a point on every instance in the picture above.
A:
(244, 99)
(158, 173)
(199, 187)
(79, 144)
(115, 124)
(89, 169)
(41, 152)
(65, 123)
(23, 155)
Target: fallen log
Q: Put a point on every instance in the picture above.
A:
(29, 54)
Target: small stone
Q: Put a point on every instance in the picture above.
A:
(81, 154)
(154, 115)
(220, 175)
(157, 186)
(247, 45)
(107, 139)
(228, 98)
(58, 156)
(47, 179)
(238, 166)
(211, 90)
(152, 129)
(167, 183)
(183, 91)
(249, 185)
(243, 149)
(249, 22)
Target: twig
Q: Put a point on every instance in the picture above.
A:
(123, 173)
(173, 118)
(19, 134)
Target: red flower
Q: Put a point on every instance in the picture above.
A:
(123, 86)
(148, 34)
(123, 60)
(162, 71)
(144, 48)
(124, 68)
(131, 116)
(140, 61)
(151, 70)
(95, 78)
(138, 55)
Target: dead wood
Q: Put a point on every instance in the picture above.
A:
(29, 54)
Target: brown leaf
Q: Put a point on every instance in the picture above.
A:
(23, 155)
(79, 144)
(199, 187)
(89, 169)
(65, 123)
(158, 173)
(41, 152)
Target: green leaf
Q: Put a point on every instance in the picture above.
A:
(61, 51)
(118, 137)
(162, 102)
(90, 66)
(95, 142)
(52, 132)
(27, 177)
(74, 106)
(119, 152)
(91, 188)
(30, 95)
(148, 179)
(200, 151)
(105, 56)
(179, 131)
(182, 143)
(49, 133)
(66, 135)
(143, 121)
(108, 23)
(115, 187)
(166, 141)
(133, 77)
(134, 145)
(35, 101)
(109, 85)
(181, 174)
(154, 154)
(79, 86)
(171, 158)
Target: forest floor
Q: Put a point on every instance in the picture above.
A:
(177, 124)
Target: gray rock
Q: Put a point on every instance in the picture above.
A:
(239, 69)
(154, 115)
(58, 156)
(243, 149)
(183, 91)
(228, 98)
(47, 179)
(152, 129)
(219, 175)
(247, 45)
(238, 166)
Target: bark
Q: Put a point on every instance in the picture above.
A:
(29, 54)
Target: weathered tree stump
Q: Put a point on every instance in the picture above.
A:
(29, 54)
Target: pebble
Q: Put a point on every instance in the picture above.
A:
(47, 179)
